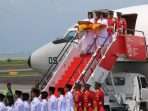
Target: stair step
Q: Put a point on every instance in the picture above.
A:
(77, 63)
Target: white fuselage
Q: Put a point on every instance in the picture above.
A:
(39, 59)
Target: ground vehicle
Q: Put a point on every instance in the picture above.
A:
(125, 91)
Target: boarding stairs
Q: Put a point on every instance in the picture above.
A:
(70, 72)
(76, 68)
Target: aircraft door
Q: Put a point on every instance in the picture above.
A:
(131, 22)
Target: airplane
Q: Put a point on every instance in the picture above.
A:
(45, 57)
(39, 60)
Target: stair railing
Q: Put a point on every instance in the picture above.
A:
(45, 78)
(95, 56)
(92, 58)
(92, 63)
(82, 60)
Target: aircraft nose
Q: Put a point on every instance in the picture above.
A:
(29, 62)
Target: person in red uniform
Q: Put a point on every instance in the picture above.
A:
(78, 97)
(118, 24)
(99, 98)
(87, 98)
(121, 24)
(124, 25)
(111, 25)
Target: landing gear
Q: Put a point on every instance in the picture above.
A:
(122, 108)
(143, 106)
(107, 108)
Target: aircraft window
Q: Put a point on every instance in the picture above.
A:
(58, 41)
(67, 38)
(70, 35)
(144, 82)
(118, 81)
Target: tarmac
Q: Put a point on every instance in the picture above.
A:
(24, 88)
(23, 82)
(20, 83)
(17, 70)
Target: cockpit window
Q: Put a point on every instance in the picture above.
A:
(118, 81)
(70, 35)
(67, 38)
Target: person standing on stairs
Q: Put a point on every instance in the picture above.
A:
(61, 100)
(121, 24)
(78, 97)
(87, 98)
(102, 34)
(111, 25)
(90, 17)
(52, 101)
(87, 39)
(69, 98)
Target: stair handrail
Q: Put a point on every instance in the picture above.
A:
(53, 66)
(94, 42)
(95, 55)
(135, 30)
(80, 63)
(98, 50)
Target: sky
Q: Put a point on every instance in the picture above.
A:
(26, 25)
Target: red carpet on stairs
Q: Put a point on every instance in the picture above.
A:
(73, 71)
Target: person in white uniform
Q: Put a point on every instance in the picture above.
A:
(10, 108)
(10, 103)
(2, 105)
(35, 103)
(69, 98)
(18, 105)
(61, 100)
(87, 42)
(102, 34)
(25, 99)
(44, 102)
(90, 17)
(52, 101)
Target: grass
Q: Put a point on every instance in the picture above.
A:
(11, 62)
(15, 64)
(19, 74)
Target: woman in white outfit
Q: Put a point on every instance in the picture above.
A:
(87, 42)
(102, 34)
